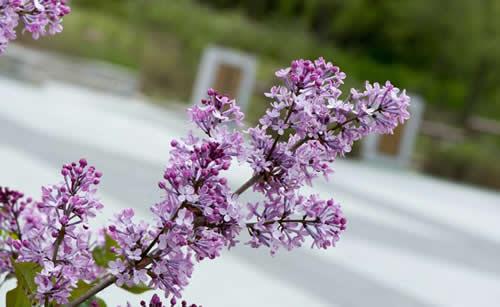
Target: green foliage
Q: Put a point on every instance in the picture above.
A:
(165, 43)
(25, 273)
(17, 297)
(82, 288)
(93, 34)
(137, 289)
(452, 40)
(88, 303)
(103, 254)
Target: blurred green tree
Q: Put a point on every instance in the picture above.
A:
(452, 39)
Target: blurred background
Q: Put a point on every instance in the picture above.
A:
(424, 229)
(446, 51)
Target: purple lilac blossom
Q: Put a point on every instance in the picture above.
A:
(198, 216)
(217, 109)
(54, 233)
(321, 126)
(286, 220)
(306, 128)
(39, 17)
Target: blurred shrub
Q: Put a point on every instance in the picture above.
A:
(473, 162)
(194, 27)
(116, 7)
(277, 44)
(118, 31)
(164, 70)
(415, 33)
(92, 34)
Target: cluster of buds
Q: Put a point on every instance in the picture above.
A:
(156, 302)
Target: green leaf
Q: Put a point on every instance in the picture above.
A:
(137, 289)
(25, 274)
(14, 236)
(103, 254)
(82, 288)
(17, 298)
(88, 303)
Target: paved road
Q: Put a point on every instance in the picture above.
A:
(412, 240)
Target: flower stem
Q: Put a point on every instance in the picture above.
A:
(58, 242)
(250, 182)
(276, 140)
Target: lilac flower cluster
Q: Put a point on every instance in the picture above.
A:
(54, 233)
(198, 215)
(306, 128)
(132, 239)
(215, 110)
(39, 17)
(287, 219)
(320, 127)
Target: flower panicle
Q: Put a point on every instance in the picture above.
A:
(54, 232)
(307, 126)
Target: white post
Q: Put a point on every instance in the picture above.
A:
(212, 58)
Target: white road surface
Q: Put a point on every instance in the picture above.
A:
(412, 240)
